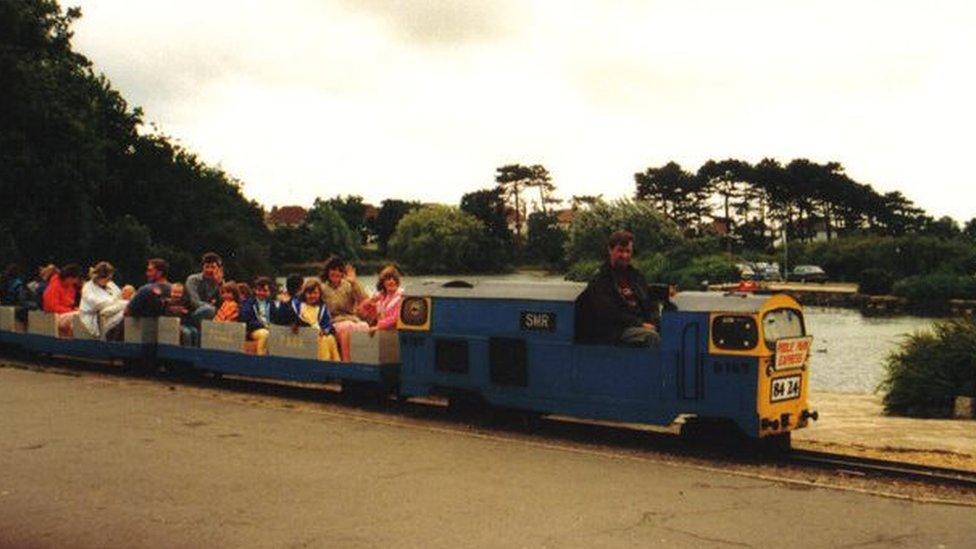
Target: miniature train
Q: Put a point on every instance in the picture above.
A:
(725, 358)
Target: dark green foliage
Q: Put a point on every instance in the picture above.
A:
(391, 212)
(713, 269)
(546, 239)
(846, 258)
(352, 209)
(79, 181)
(591, 228)
(329, 234)
(488, 206)
(125, 243)
(441, 239)
(930, 369)
(936, 287)
(875, 282)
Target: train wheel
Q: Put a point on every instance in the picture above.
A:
(711, 432)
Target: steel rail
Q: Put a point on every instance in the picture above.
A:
(879, 467)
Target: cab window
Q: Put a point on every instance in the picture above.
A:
(782, 323)
(734, 332)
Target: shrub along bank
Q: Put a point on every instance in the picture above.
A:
(930, 369)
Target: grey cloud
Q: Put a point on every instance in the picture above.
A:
(445, 22)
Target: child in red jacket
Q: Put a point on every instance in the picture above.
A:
(61, 297)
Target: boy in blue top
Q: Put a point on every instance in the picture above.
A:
(257, 313)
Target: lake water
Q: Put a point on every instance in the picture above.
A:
(848, 348)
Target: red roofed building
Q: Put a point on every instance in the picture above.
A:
(290, 216)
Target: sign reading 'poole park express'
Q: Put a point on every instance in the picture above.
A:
(792, 352)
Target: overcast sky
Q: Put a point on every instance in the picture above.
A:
(423, 100)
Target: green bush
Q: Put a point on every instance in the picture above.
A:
(875, 282)
(846, 258)
(588, 235)
(935, 287)
(714, 269)
(583, 271)
(930, 369)
(442, 239)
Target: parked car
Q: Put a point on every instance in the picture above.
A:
(768, 272)
(745, 270)
(807, 273)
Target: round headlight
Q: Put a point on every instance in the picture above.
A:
(414, 311)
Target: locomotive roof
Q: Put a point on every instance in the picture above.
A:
(733, 302)
(485, 289)
(569, 291)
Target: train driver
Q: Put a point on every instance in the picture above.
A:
(616, 308)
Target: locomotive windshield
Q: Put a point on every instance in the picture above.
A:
(782, 323)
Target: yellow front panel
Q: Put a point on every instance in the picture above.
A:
(766, 405)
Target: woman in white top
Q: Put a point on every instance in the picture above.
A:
(102, 307)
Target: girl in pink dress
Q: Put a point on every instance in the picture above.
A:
(384, 306)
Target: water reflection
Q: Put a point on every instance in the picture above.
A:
(849, 348)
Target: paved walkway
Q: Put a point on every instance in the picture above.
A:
(99, 462)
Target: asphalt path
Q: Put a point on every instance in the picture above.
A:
(91, 461)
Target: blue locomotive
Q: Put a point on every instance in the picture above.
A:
(737, 358)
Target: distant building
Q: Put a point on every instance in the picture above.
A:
(565, 217)
(285, 216)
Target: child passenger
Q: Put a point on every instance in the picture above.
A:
(230, 297)
(257, 313)
(312, 312)
(61, 297)
(384, 306)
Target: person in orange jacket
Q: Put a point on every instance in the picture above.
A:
(61, 297)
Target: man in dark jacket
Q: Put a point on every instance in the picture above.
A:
(616, 308)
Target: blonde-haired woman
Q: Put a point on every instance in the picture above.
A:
(102, 307)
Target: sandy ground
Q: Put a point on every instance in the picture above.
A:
(856, 424)
(88, 460)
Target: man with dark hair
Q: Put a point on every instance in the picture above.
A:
(150, 299)
(616, 307)
(203, 288)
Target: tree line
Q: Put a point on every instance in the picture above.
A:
(755, 201)
(81, 178)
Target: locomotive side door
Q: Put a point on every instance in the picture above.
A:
(689, 378)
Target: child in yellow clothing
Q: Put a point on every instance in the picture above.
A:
(309, 310)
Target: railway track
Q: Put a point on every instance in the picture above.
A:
(862, 466)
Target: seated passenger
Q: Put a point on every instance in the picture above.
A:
(289, 300)
(61, 296)
(15, 292)
(102, 307)
(128, 291)
(203, 288)
(244, 289)
(615, 307)
(178, 305)
(384, 306)
(150, 300)
(343, 295)
(230, 308)
(257, 313)
(313, 312)
(44, 275)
